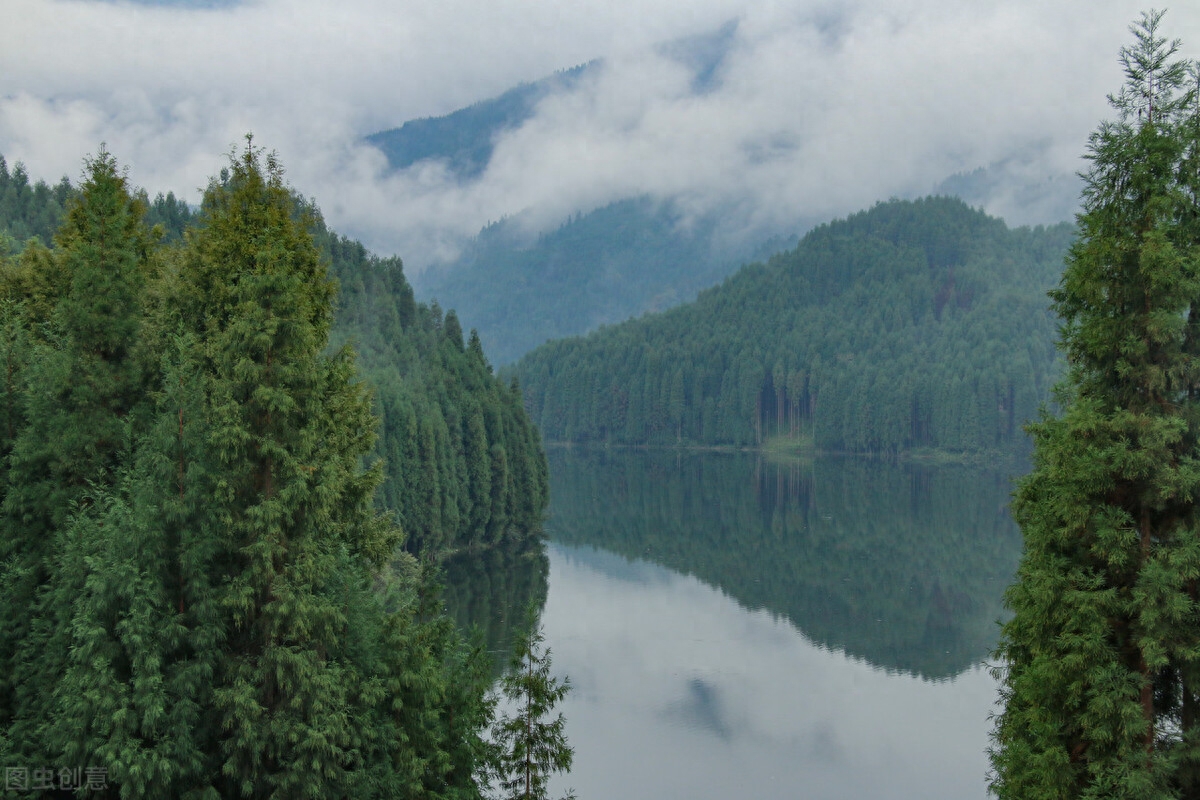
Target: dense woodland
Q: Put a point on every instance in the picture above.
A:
(463, 466)
(204, 587)
(912, 324)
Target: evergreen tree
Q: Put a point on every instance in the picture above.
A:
(1101, 660)
(82, 389)
(288, 428)
(530, 746)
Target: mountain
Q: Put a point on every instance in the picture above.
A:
(913, 324)
(464, 139)
(599, 268)
(602, 265)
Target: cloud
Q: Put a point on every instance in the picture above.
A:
(817, 109)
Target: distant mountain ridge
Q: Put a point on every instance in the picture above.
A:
(464, 139)
(596, 269)
(631, 256)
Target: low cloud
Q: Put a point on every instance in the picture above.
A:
(817, 109)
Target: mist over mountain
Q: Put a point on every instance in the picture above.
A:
(595, 269)
(757, 113)
(526, 279)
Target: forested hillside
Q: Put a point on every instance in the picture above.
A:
(463, 465)
(597, 268)
(35, 210)
(913, 324)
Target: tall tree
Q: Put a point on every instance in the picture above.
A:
(531, 745)
(289, 427)
(82, 389)
(1101, 659)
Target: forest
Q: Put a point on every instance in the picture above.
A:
(463, 465)
(234, 450)
(914, 324)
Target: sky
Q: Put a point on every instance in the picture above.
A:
(819, 108)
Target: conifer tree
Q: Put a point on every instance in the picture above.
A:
(145, 630)
(1101, 660)
(288, 428)
(83, 386)
(531, 747)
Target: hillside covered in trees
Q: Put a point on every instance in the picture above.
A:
(910, 325)
(463, 466)
(595, 269)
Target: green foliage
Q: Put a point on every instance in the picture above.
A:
(1101, 660)
(30, 211)
(72, 415)
(913, 324)
(531, 747)
(428, 394)
(464, 467)
(199, 592)
(35, 211)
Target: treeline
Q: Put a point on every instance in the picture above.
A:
(913, 324)
(35, 210)
(198, 597)
(463, 465)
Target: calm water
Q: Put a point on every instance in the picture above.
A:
(736, 628)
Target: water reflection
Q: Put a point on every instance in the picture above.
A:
(490, 590)
(680, 692)
(736, 628)
(901, 565)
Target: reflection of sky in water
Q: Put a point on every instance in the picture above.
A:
(679, 692)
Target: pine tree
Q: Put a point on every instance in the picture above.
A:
(1101, 660)
(531, 746)
(145, 630)
(288, 428)
(82, 389)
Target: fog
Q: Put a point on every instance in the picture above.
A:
(814, 110)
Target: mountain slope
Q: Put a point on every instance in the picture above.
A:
(603, 267)
(913, 324)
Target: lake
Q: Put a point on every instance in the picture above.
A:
(736, 627)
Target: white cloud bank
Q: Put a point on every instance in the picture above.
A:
(820, 108)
